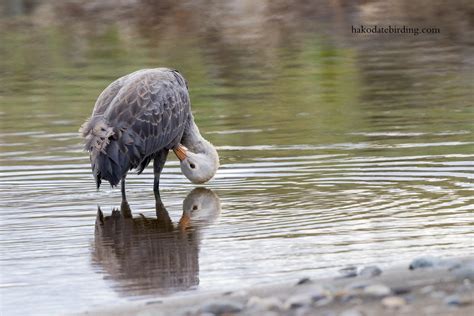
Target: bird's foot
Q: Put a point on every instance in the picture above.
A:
(125, 209)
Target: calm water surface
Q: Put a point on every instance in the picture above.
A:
(334, 151)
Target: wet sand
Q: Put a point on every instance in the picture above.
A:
(425, 286)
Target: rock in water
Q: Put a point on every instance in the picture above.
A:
(352, 312)
(393, 302)
(459, 300)
(423, 262)
(465, 271)
(222, 307)
(321, 296)
(377, 290)
(401, 290)
(298, 301)
(264, 304)
(349, 272)
(303, 281)
(370, 271)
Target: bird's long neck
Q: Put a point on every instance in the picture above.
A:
(199, 158)
(193, 140)
(195, 143)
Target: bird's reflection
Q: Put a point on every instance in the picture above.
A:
(149, 256)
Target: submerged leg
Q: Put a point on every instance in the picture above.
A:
(124, 198)
(124, 207)
(158, 164)
(163, 217)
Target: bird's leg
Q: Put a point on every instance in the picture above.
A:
(163, 217)
(124, 207)
(124, 197)
(158, 164)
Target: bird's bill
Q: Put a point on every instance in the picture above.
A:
(180, 152)
(184, 222)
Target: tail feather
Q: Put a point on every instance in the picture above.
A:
(96, 132)
(108, 161)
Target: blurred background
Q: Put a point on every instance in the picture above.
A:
(336, 148)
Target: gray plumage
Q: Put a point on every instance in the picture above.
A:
(134, 119)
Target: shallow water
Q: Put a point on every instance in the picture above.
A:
(334, 151)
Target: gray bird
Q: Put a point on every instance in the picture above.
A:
(139, 118)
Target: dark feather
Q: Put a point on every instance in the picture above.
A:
(135, 117)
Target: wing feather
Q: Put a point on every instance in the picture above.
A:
(148, 111)
(155, 114)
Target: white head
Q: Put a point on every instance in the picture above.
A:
(200, 208)
(202, 205)
(200, 166)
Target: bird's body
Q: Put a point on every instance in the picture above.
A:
(139, 118)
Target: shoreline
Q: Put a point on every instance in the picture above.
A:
(425, 286)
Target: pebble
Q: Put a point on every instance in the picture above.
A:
(305, 311)
(358, 285)
(438, 294)
(221, 307)
(430, 310)
(298, 301)
(378, 290)
(303, 281)
(464, 272)
(324, 301)
(348, 272)
(393, 302)
(345, 298)
(427, 289)
(267, 303)
(352, 312)
(320, 295)
(459, 300)
(401, 290)
(451, 265)
(423, 262)
(241, 294)
(467, 285)
(410, 298)
(153, 302)
(370, 271)
(267, 313)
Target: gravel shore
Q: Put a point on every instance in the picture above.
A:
(425, 286)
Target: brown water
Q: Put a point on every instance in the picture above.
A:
(335, 150)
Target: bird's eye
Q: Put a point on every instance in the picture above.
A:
(195, 207)
(192, 165)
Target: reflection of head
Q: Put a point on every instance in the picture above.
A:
(149, 256)
(202, 206)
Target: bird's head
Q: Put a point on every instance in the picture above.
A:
(198, 166)
(200, 208)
